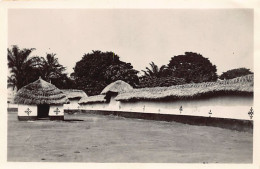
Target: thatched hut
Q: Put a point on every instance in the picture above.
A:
(105, 101)
(113, 89)
(74, 96)
(40, 99)
(228, 99)
(117, 87)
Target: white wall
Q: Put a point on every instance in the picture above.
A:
(113, 104)
(53, 108)
(22, 108)
(10, 105)
(95, 106)
(10, 94)
(72, 105)
(234, 107)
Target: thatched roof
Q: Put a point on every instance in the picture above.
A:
(74, 94)
(241, 85)
(40, 92)
(93, 99)
(117, 87)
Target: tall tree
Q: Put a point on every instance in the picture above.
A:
(11, 82)
(49, 68)
(155, 71)
(97, 69)
(64, 82)
(158, 77)
(233, 73)
(122, 71)
(19, 65)
(193, 67)
(52, 71)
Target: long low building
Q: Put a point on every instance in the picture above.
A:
(74, 96)
(231, 99)
(106, 100)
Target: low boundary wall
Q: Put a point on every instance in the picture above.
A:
(233, 124)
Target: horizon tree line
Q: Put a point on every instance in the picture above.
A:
(97, 69)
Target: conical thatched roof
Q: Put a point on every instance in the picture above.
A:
(74, 93)
(239, 86)
(40, 92)
(117, 87)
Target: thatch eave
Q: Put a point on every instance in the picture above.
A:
(239, 86)
(117, 87)
(74, 94)
(93, 99)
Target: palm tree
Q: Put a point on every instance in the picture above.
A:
(19, 64)
(49, 67)
(11, 82)
(155, 71)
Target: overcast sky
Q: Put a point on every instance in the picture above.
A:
(138, 36)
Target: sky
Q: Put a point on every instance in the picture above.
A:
(138, 36)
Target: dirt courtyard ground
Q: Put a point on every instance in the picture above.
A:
(116, 139)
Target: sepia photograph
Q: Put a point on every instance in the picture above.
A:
(130, 85)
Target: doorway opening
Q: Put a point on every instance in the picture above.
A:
(43, 110)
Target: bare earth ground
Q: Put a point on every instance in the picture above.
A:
(118, 139)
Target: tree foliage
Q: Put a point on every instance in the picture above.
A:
(146, 81)
(52, 71)
(25, 69)
(233, 73)
(155, 71)
(64, 82)
(193, 67)
(121, 71)
(49, 68)
(98, 69)
(158, 77)
(20, 66)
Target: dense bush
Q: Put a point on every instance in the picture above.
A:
(160, 81)
(98, 69)
(193, 67)
(233, 73)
